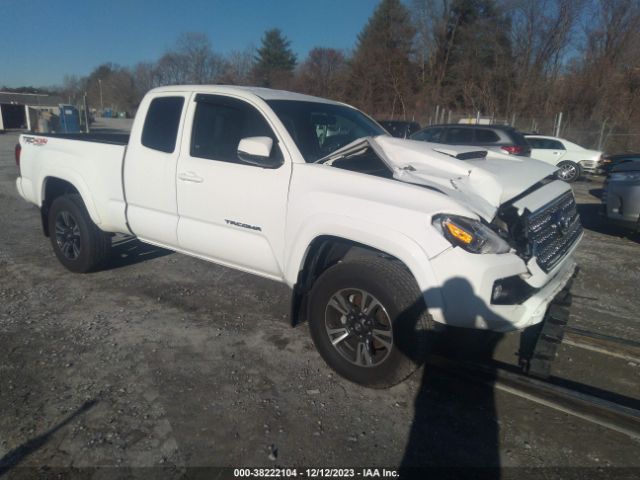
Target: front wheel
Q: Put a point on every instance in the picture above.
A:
(368, 321)
(77, 242)
(569, 171)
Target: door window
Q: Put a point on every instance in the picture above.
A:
(221, 122)
(429, 135)
(459, 136)
(545, 144)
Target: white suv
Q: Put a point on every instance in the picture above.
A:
(570, 158)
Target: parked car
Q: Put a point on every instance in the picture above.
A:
(621, 195)
(609, 161)
(571, 159)
(499, 138)
(399, 128)
(377, 237)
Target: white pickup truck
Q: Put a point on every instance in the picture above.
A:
(377, 237)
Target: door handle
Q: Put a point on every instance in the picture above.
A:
(190, 177)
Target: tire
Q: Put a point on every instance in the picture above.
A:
(569, 171)
(375, 357)
(77, 242)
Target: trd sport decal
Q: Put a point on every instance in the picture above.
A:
(243, 225)
(35, 140)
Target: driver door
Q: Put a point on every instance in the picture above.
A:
(231, 212)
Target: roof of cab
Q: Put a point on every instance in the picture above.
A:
(260, 92)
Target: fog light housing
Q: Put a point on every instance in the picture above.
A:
(511, 291)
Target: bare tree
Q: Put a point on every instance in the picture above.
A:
(323, 73)
(191, 61)
(238, 67)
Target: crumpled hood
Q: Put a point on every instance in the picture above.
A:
(481, 184)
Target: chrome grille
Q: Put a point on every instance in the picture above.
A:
(552, 231)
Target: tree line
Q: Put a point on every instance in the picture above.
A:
(520, 61)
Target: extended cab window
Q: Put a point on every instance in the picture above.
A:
(160, 129)
(221, 122)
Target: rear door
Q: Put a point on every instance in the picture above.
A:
(459, 136)
(546, 149)
(150, 169)
(231, 212)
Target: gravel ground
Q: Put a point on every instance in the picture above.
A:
(170, 362)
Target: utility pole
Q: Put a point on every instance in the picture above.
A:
(86, 114)
(601, 140)
(101, 104)
(558, 124)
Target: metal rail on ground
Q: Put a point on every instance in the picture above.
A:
(615, 416)
(601, 343)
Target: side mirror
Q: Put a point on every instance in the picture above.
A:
(257, 151)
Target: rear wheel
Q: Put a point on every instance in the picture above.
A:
(77, 242)
(569, 171)
(368, 321)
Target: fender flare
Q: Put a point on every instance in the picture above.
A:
(76, 182)
(390, 242)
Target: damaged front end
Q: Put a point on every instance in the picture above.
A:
(517, 198)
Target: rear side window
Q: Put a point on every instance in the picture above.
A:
(460, 136)
(160, 129)
(545, 144)
(486, 136)
(535, 142)
(220, 123)
(555, 145)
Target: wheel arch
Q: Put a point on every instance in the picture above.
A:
(325, 250)
(54, 187)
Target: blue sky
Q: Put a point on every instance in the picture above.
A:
(43, 40)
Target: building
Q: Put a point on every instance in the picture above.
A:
(22, 111)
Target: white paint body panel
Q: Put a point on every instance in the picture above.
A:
(573, 152)
(95, 169)
(264, 220)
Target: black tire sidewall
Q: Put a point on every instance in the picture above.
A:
(84, 262)
(401, 362)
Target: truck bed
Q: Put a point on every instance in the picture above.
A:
(91, 163)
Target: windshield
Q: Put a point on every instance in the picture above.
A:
(320, 129)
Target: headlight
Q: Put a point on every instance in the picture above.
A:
(625, 176)
(470, 234)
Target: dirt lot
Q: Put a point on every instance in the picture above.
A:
(167, 361)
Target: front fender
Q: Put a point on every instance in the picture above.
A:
(378, 237)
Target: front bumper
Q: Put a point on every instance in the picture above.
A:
(466, 288)
(589, 166)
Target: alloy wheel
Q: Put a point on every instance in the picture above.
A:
(359, 327)
(67, 234)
